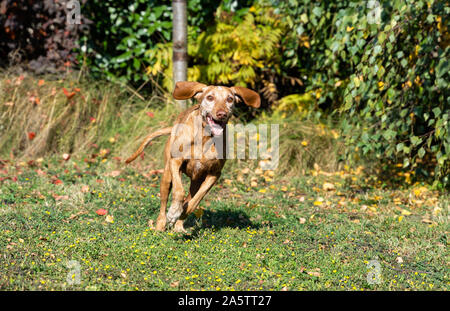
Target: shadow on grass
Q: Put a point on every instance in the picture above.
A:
(218, 219)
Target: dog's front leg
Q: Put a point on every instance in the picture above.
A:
(176, 208)
(210, 180)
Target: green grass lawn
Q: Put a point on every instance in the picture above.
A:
(279, 234)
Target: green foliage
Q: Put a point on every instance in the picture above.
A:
(124, 30)
(238, 50)
(385, 69)
(399, 90)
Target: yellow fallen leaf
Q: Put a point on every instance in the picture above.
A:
(109, 218)
(400, 218)
(284, 189)
(270, 173)
(245, 170)
(406, 212)
(328, 186)
(199, 212)
(317, 203)
(262, 190)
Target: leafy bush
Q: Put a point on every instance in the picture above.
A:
(385, 67)
(242, 48)
(124, 30)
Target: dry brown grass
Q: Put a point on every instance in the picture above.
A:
(87, 117)
(40, 117)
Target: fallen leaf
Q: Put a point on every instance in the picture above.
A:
(73, 216)
(174, 284)
(60, 197)
(406, 212)
(426, 221)
(31, 135)
(68, 94)
(101, 212)
(66, 156)
(199, 212)
(328, 186)
(150, 114)
(315, 272)
(115, 173)
(302, 220)
(109, 219)
(40, 172)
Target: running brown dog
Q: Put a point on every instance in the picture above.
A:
(196, 146)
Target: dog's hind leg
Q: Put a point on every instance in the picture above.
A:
(176, 208)
(166, 185)
(179, 224)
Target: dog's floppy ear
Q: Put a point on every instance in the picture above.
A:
(250, 98)
(187, 89)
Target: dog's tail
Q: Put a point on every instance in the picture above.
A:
(147, 140)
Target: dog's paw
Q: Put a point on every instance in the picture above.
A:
(174, 212)
(179, 227)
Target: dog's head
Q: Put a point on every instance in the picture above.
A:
(216, 102)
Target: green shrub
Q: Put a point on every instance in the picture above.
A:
(386, 73)
(124, 30)
(239, 49)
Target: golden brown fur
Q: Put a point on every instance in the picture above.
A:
(203, 168)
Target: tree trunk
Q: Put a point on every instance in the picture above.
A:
(179, 33)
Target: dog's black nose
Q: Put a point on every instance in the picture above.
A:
(221, 114)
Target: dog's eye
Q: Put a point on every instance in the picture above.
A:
(210, 97)
(230, 99)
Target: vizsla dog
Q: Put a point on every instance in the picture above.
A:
(196, 147)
